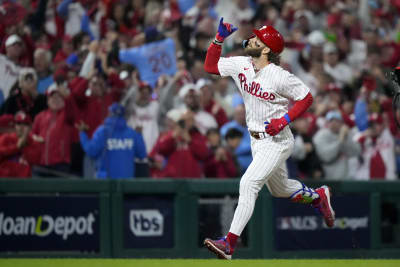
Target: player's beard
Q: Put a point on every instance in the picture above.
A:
(254, 52)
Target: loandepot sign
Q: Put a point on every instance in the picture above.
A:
(45, 225)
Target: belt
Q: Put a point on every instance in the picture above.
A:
(258, 135)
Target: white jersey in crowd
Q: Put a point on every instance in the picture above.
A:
(147, 118)
(267, 93)
(385, 145)
(8, 75)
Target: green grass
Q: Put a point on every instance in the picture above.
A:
(192, 263)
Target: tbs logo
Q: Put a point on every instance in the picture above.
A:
(146, 222)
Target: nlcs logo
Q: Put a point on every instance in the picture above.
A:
(146, 222)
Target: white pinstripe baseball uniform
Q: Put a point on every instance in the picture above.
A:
(266, 96)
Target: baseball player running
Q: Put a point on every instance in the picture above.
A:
(266, 89)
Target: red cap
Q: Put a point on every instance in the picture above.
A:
(22, 117)
(271, 38)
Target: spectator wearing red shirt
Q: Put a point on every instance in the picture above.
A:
(19, 149)
(100, 91)
(185, 149)
(55, 126)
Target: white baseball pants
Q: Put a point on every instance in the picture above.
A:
(268, 167)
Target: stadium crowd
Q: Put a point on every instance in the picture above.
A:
(117, 89)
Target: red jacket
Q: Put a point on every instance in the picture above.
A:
(93, 109)
(184, 160)
(56, 130)
(15, 162)
(220, 169)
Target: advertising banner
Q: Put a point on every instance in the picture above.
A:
(148, 222)
(49, 223)
(300, 227)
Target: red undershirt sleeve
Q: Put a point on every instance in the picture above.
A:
(300, 107)
(212, 58)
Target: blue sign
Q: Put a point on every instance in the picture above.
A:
(148, 222)
(64, 223)
(152, 60)
(299, 227)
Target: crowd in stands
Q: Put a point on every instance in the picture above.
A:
(117, 88)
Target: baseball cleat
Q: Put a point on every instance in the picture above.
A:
(220, 247)
(323, 205)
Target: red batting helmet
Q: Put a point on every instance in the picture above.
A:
(271, 38)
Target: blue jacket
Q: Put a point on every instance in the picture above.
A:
(114, 146)
(243, 151)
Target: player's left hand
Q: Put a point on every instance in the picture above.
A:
(275, 126)
(224, 30)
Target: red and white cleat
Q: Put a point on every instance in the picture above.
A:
(323, 205)
(220, 247)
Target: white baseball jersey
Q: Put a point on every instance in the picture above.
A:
(147, 118)
(8, 74)
(267, 93)
(266, 96)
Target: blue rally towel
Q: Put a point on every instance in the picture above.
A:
(152, 60)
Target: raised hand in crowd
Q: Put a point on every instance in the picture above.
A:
(82, 126)
(184, 125)
(23, 137)
(94, 46)
(343, 132)
(64, 90)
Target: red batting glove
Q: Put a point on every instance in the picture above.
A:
(275, 126)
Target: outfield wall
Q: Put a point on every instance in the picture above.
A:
(146, 218)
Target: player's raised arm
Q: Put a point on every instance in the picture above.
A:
(214, 50)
